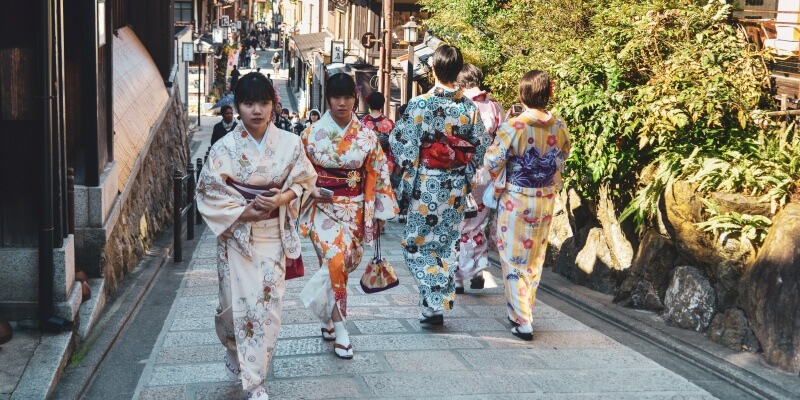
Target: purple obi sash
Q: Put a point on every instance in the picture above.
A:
(532, 170)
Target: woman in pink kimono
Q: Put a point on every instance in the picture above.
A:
(246, 195)
(473, 254)
(526, 161)
(353, 169)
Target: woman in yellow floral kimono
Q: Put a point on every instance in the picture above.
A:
(352, 166)
(254, 237)
(526, 161)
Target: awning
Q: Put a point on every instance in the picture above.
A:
(422, 53)
(335, 68)
(308, 43)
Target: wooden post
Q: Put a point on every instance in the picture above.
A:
(189, 203)
(71, 200)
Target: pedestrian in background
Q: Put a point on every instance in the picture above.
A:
(254, 238)
(253, 58)
(525, 161)
(313, 116)
(438, 143)
(234, 78)
(473, 254)
(380, 124)
(281, 120)
(353, 169)
(223, 127)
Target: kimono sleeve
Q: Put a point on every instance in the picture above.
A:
(564, 144)
(219, 204)
(302, 176)
(501, 149)
(478, 138)
(376, 168)
(405, 142)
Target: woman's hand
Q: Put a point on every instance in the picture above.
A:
(252, 214)
(320, 197)
(378, 228)
(269, 203)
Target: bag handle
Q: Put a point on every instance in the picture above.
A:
(378, 247)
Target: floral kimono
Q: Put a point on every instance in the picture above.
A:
(435, 196)
(251, 255)
(352, 165)
(526, 159)
(382, 126)
(473, 256)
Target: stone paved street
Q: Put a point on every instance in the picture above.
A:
(472, 356)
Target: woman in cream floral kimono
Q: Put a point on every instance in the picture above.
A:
(253, 237)
(350, 164)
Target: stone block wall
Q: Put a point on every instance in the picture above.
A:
(146, 211)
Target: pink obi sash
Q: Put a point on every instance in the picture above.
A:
(343, 182)
(249, 192)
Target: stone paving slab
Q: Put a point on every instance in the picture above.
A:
(325, 365)
(419, 361)
(432, 385)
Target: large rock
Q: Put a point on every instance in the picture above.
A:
(741, 203)
(770, 291)
(619, 245)
(723, 261)
(586, 260)
(650, 273)
(560, 230)
(730, 329)
(690, 299)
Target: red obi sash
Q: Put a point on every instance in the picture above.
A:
(450, 152)
(343, 182)
(249, 192)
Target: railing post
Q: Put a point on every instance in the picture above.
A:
(71, 200)
(190, 208)
(177, 206)
(198, 217)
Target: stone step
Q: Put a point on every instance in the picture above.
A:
(90, 309)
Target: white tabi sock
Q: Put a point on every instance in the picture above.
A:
(342, 337)
(525, 328)
(429, 312)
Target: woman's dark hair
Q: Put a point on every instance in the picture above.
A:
(253, 87)
(534, 89)
(225, 108)
(375, 100)
(470, 77)
(447, 63)
(339, 85)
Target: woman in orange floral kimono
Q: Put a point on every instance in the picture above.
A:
(352, 166)
(526, 161)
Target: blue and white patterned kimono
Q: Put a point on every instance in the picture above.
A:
(435, 197)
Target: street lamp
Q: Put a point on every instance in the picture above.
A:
(410, 35)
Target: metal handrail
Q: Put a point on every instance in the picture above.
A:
(184, 184)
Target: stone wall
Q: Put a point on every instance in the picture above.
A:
(146, 210)
(694, 279)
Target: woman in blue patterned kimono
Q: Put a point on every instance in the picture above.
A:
(438, 143)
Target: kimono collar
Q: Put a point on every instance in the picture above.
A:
(529, 119)
(476, 94)
(329, 124)
(452, 94)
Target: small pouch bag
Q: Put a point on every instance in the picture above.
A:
(295, 268)
(379, 275)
